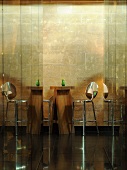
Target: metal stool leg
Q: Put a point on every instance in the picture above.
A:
(6, 111)
(108, 112)
(16, 118)
(5, 118)
(95, 117)
(72, 123)
(121, 117)
(84, 118)
(112, 114)
(49, 117)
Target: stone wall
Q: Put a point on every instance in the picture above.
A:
(116, 51)
(49, 42)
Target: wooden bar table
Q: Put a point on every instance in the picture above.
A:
(35, 110)
(63, 101)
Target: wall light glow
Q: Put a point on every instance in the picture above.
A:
(64, 10)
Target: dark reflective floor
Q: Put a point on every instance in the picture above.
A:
(62, 152)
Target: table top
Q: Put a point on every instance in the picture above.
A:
(35, 87)
(62, 87)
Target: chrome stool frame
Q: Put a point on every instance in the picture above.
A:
(91, 93)
(111, 104)
(48, 119)
(9, 91)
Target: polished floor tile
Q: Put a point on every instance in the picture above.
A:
(62, 152)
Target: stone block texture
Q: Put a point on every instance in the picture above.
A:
(76, 42)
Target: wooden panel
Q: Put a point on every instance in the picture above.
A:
(29, 2)
(61, 87)
(73, 1)
(20, 2)
(32, 2)
(64, 111)
(63, 105)
(35, 110)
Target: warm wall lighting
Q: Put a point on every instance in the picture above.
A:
(64, 10)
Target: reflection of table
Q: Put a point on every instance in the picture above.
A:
(35, 110)
(63, 102)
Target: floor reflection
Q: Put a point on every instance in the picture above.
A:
(116, 153)
(61, 152)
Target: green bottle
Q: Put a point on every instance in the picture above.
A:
(63, 82)
(38, 83)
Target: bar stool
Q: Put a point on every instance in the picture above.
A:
(9, 91)
(91, 93)
(49, 104)
(111, 103)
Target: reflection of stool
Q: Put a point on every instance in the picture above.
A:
(111, 108)
(48, 118)
(44, 160)
(9, 91)
(91, 93)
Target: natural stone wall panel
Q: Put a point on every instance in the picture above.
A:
(80, 43)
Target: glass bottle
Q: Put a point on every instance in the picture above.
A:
(38, 83)
(63, 82)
